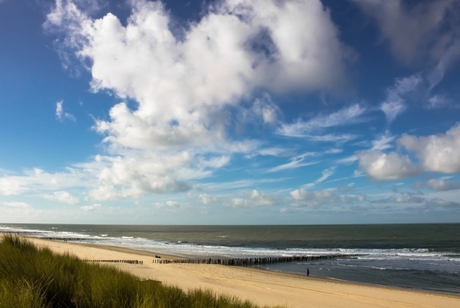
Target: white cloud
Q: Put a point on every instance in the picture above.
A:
(336, 138)
(449, 56)
(225, 186)
(417, 87)
(325, 175)
(401, 199)
(303, 197)
(11, 185)
(418, 201)
(91, 208)
(383, 142)
(133, 175)
(19, 212)
(143, 60)
(333, 151)
(61, 115)
(395, 102)
(442, 185)
(438, 101)
(253, 198)
(265, 109)
(62, 196)
(346, 116)
(16, 204)
(440, 153)
(296, 162)
(417, 33)
(436, 202)
(40, 180)
(173, 206)
(273, 151)
(392, 109)
(206, 199)
(189, 90)
(347, 160)
(382, 166)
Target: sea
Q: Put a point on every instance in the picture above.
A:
(411, 256)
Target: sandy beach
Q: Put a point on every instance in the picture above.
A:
(259, 286)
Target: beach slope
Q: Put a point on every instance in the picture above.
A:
(259, 286)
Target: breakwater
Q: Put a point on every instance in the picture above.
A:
(251, 261)
(67, 239)
(116, 261)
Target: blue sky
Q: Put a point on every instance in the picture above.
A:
(229, 112)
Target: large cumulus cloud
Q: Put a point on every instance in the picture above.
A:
(188, 87)
(440, 153)
(435, 153)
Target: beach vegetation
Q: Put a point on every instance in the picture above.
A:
(36, 277)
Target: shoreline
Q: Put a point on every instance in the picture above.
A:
(260, 286)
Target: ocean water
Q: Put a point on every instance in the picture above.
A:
(412, 256)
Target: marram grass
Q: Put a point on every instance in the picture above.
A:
(37, 277)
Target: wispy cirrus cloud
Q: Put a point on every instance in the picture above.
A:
(272, 151)
(383, 142)
(326, 173)
(334, 138)
(346, 116)
(439, 101)
(299, 161)
(425, 34)
(296, 162)
(61, 115)
(239, 184)
(395, 102)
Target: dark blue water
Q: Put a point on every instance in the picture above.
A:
(413, 256)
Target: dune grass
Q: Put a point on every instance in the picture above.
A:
(37, 277)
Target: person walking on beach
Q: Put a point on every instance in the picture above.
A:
(308, 272)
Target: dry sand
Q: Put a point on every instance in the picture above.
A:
(259, 286)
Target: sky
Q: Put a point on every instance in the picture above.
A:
(229, 111)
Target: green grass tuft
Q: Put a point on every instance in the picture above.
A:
(36, 277)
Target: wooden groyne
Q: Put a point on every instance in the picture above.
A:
(68, 239)
(250, 261)
(116, 261)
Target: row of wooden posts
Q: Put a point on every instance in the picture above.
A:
(117, 261)
(250, 261)
(231, 261)
(65, 239)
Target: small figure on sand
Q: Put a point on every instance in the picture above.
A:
(308, 272)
